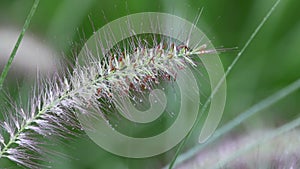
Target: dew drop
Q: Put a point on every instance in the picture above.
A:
(172, 114)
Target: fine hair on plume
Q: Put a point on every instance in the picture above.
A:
(134, 66)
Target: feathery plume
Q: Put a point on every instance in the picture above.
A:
(52, 109)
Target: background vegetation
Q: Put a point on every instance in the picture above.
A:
(271, 62)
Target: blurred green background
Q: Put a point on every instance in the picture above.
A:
(271, 62)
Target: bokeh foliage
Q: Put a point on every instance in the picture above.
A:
(271, 62)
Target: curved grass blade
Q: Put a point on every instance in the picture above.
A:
(16, 47)
(269, 136)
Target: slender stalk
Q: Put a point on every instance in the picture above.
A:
(16, 47)
(205, 106)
